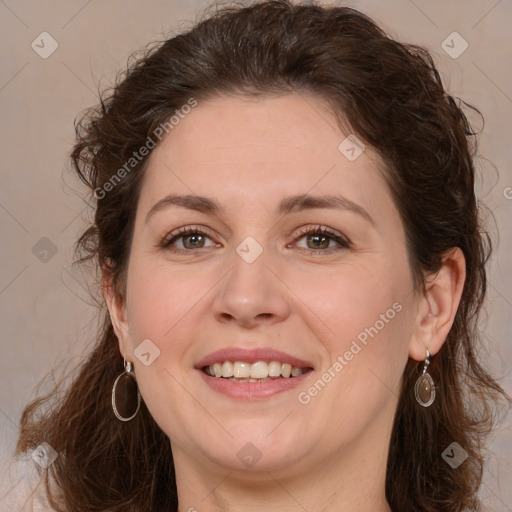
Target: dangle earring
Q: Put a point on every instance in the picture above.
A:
(424, 389)
(125, 394)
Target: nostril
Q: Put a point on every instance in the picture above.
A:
(264, 316)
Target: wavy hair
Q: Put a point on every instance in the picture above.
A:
(391, 96)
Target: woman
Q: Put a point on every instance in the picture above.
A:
(292, 265)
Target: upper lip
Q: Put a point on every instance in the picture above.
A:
(251, 356)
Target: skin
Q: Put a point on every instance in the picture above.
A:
(248, 155)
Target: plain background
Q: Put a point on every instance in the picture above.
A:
(45, 310)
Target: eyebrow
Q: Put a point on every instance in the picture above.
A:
(288, 205)
(308, 202)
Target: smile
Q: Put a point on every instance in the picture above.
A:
(260, 371)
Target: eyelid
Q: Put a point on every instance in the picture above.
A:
(342, 241)
(340, 238)
(182, 231)
(313, 228)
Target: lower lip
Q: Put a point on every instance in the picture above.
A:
(253, 390)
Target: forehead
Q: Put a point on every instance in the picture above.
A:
(260, 148)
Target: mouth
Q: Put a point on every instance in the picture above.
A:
(259, 371)
(252, 373)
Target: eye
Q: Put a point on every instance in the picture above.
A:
(315, 239)
(186, 239)
(320, 240)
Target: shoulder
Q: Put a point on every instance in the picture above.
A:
(23, 489)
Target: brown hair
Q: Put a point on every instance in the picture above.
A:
(392, 98)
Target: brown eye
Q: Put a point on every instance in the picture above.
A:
(321, 240)
(318, 241)
(193, 241)
(187, 239)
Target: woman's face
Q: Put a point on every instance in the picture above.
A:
(261, 233)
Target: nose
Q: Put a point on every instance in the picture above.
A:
(251, 294)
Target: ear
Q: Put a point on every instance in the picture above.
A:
(438, 306)
(117, 309)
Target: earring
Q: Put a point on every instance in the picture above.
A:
(424, 389)
(125, 394)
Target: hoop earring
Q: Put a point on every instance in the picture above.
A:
(424, 389)
(125, 394)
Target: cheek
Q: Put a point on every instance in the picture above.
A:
(361, 321)
(161, 299)
(354, 302)
(338, 305)
(161, 309)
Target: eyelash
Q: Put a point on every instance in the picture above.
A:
(343, 242)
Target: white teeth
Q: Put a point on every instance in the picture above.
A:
(233, 379)
(274, 369)
(217, 369)
(227, 369)
(241, 370)
(256, 372)
(286, 370)
(259, 370)
(296, 371)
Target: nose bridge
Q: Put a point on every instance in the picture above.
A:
(250, 293)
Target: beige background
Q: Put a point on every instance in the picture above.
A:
(45, 309)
